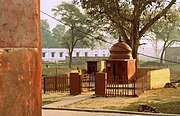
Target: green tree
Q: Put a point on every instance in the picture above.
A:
(167, 29)
(58, 34)
(78, 29)
(129, 18)
(46, 34)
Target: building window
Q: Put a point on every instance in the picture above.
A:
(43, 54)
(104, 55)
(96, 55)
(86, 54)
(52, 54)
(77, 54)
(61, 54)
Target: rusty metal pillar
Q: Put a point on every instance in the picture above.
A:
(20, 58)
(100, 84)
(75, 84)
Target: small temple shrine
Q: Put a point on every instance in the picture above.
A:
(120, 66)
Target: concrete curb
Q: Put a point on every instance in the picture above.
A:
(110, 111)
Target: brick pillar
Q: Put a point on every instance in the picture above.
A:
(75, 84)
(100, 84)
(20, 58)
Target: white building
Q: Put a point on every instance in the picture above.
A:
(54, 54)
(60, 54)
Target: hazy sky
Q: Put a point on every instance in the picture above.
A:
(46, 6)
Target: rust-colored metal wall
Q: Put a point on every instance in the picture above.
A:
(20, 58)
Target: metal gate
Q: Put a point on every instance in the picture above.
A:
(119, 87)
(87, 83)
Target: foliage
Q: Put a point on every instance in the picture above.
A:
(129, 18)
(48, 40)
(58, 33)
(46, 34)
(167, 29)
(79, 29)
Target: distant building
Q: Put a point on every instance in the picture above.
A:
(54, 54)
(60, 54)
(148, 50)
(172, 54)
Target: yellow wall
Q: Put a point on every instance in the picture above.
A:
(158, 78)
(101, 66)
(152, 78)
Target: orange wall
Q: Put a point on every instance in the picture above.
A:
(20, 58)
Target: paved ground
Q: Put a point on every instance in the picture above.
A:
(68, 100)
(78, 113)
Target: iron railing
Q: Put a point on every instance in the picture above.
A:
(59, 83)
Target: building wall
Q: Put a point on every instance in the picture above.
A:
(158, 78)
(173, 53)
(90, 53)
(77, 51)
(56, 58)
(151, 78)
(20, 58)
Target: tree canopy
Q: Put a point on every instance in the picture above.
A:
(46, 34)
(131, 19)
(167, 29)
(57, 34)
(49, 40)
(78, 29)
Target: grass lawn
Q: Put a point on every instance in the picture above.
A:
(58, 68)
(166, 100)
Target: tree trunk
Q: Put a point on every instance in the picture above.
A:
(162, 53)
(135, 50)
(135, 30)
(135, 42)
(70, 59)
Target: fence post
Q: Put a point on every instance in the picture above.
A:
(75, 84)
(55, 83)
(100, 84)
(44, 85)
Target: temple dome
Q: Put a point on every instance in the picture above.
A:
(121, 50)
